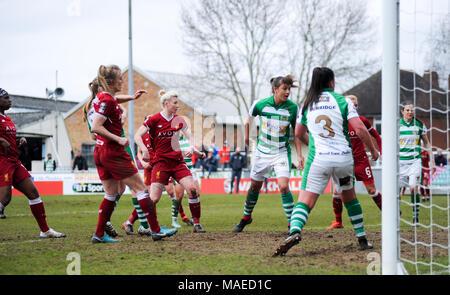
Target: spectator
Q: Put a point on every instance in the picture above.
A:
(79, 162)
(215, 151)
(440, 159)
(211, 163)
(237, 162)
(49, 164)
(224, 154)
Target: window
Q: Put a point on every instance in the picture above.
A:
(377, 124)
(87, 151)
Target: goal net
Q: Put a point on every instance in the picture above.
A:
(423, 59)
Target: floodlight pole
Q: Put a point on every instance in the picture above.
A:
(390, 100)
(130, 82)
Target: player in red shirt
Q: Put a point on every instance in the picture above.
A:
(147, 180)
(363, 171)
(113, 163)
(424, 188)
(13, 173)
(163, 129)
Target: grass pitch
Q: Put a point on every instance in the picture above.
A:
(216, 252)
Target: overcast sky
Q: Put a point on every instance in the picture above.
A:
(74, 37)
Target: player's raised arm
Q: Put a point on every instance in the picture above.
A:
(364, 135)
(121, 98)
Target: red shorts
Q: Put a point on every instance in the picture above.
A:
(363, 171)
(164, 169)
(12, 172)
(113, 161)
(148, 176)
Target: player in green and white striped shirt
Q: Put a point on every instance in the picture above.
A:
(411, 134)
(326, 116)
(179, 189)
(277, 115)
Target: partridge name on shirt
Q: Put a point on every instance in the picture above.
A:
(325, 107)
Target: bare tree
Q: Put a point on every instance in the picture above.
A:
(438, 56)
(335, 34)
(231, 44)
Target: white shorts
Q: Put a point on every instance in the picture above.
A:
(316, 178)
(263, 164)
(410, 173)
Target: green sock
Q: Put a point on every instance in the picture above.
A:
(175, 208)
(299, 217)
(117, 200)
(288, 204)
(250, 203)
(415, 205)
(142, 219)
(355, 214)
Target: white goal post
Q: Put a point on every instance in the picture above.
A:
(391, 264)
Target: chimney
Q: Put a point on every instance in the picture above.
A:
(434, 78)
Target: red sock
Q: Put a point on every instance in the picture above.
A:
(133, 217)
(149, 210)
(377, 199)
(104, 215)
(38, 211)
(246, 217)
(181, 211)
(194, 206)
(337, 208)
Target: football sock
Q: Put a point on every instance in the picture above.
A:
(104, 214)
(38, 211)
(194, 206)
(138, 211)
(337, 208)
(181, 211)
(355, 214)
(288, 204)
(175, 207)
(117, 200)
(149, 210)
(250, 203)
(415, 200)
(377, 199)
(299, 217)
(133, 217)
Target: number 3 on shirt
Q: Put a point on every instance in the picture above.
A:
(327, 126)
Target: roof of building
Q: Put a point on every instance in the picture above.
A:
(413, 87)
(29, 109)
(206, 98)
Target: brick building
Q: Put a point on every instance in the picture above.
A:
(430, 100)
(211, 124)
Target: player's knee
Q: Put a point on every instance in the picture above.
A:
(193, 193)
(371, 190)
(284, 189)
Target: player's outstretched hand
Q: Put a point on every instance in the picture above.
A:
(139, 93)
(301, 163)
(375, 155)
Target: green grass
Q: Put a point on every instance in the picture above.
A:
(218, 252)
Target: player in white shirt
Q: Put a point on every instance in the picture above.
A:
(326, 116)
